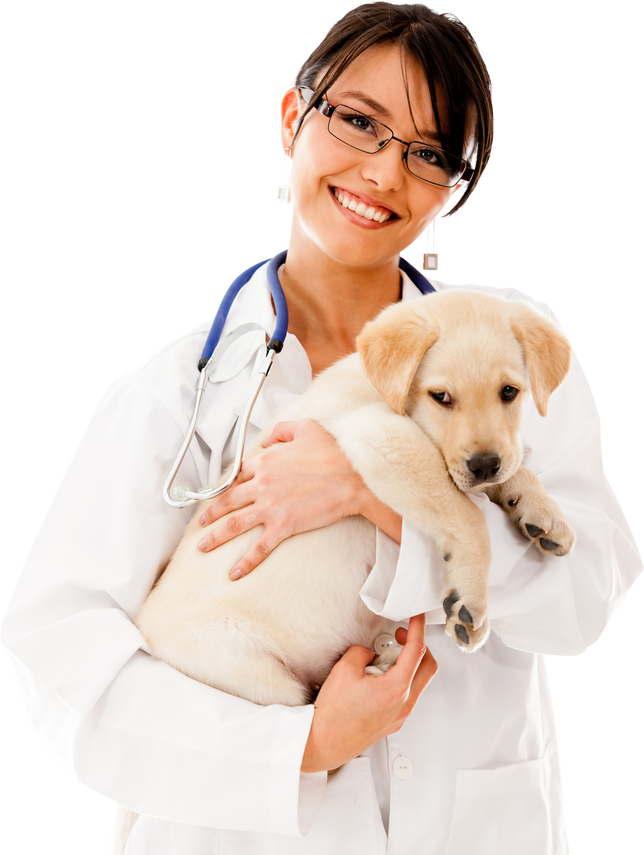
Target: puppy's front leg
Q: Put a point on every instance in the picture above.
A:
(538, 517)
(406, 471)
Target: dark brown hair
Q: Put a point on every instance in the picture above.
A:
(445, 51)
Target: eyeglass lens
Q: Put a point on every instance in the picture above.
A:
(367, 134)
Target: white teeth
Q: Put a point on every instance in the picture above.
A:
(369, 213)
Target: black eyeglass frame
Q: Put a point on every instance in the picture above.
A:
(326, 109)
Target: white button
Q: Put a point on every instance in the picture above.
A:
(403, 768)
(384, 642)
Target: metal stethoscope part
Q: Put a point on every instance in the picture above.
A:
(182, 496)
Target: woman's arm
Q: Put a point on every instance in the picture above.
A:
(134, 728)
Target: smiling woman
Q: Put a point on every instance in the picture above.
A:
(387, 199)
(388, 124)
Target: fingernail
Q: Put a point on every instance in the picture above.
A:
(235, 574)
(203, 544)
(202, 519)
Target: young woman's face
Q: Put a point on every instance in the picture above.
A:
(324, 168)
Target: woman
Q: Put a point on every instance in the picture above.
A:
(476, 759)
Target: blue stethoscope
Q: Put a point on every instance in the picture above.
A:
(182, 497)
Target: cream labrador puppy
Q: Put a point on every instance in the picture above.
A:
(427, 410)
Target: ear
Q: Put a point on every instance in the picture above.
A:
(547, 354)
(290, 113)
(391, 348)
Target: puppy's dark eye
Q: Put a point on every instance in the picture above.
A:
(508, 393)
(441, 397)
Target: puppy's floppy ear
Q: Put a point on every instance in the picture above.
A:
(547, 353)
(391, 348)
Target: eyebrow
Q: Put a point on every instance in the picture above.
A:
(378, 108)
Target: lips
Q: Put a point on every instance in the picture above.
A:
(364, 209)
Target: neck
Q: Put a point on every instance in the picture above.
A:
(330, 301)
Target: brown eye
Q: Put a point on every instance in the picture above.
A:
(509, 393)
(441, 398)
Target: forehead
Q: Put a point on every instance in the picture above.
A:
(474, 356)
(388, 85)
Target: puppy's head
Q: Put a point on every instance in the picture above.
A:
(462, 365)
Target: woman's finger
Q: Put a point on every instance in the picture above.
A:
(254, 557)
(233, 498)
(232, 526)
(424, 675)
(282, 432)
(413, 651)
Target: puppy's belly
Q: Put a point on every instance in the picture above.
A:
(298, 611)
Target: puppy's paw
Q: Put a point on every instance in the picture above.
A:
(467, 621)
(540, 519)
(376, 671)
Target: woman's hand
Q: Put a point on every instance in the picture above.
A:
(303, 481)
(354, 710)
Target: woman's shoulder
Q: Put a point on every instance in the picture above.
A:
(168, 376)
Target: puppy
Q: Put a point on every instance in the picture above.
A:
(428, 409)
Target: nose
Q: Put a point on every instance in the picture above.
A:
(385, 168)
(484, 466)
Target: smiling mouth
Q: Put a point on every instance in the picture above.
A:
(362, 209)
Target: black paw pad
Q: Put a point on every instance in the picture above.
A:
(462, 633)
(464, 615)
(548, 544)
(447, 556)
(533, 530)
(448, 603)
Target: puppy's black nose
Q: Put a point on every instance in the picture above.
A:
(484, 466)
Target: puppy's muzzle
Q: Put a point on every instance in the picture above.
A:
(484, 467)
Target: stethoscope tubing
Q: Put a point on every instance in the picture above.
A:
(181, 496)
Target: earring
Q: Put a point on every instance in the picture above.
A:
(430, 258)
(284, 190)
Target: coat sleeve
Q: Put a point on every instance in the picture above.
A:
(538, 603)
(134, 728)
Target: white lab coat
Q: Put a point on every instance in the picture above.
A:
(475, 766)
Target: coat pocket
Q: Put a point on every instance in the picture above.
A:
(502, 811)
(348, 822)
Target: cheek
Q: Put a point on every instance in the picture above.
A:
(316, 157)
(427, 204)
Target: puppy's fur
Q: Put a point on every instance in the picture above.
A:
(425, 411)
(273, 636)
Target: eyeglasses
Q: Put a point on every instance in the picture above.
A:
(364, 133)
